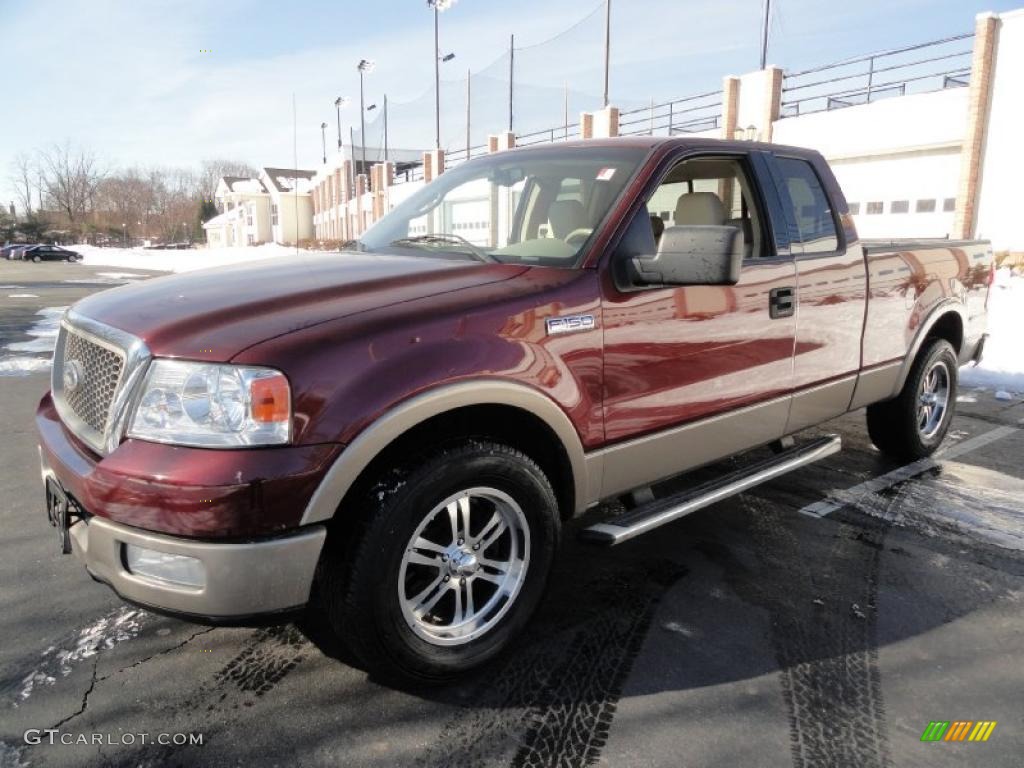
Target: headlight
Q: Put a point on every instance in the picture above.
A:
(212, 406)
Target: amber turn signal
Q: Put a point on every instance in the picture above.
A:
(270, 399)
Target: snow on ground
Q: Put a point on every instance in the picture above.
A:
(1002, 365)
(22, 296)
(122, 275)
(175, 261)
(19, 366)
(44, 333)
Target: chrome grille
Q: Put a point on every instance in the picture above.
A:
(96, 368)
(99, 373)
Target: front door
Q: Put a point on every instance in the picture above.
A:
(695, 373)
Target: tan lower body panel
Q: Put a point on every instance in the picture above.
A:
(240, 578)
(655, 457)
(876, 385)
(817, 404)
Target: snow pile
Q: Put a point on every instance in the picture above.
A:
(43, 330)
(44, 333)
(1002, 365)
(178, 261)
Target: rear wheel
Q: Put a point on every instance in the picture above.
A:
(451, 563)
(914, 423)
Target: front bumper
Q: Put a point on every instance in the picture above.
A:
(241, 580)
(236, 512)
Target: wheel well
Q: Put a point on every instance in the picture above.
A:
(949, 327)
(515, 427)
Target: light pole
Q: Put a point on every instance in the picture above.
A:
(339, 102)
(385, 111)
(764, 32)
(364, 66)
(437, 6)
(607, 44)
(323, 140)
(124, 234)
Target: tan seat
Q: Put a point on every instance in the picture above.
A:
(699, 208)
(565, 217)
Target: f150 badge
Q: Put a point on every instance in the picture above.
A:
(570, 324)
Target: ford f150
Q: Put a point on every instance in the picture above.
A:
(395, 434)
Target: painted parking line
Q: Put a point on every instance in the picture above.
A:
(889, 479)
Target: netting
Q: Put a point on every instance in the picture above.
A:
(553, 81)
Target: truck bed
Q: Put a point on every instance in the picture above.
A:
(909, 244)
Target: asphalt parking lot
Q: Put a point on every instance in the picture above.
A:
(815, 621)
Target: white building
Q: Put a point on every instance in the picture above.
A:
(274, 207)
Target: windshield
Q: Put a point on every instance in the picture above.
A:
(525, 207)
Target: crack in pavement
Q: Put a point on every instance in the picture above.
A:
(85, 696)
(95, 680)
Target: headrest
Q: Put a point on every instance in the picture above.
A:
(566, 216)
(702, 208)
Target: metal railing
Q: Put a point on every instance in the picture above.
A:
(455, 157)
(691, 114)
(944, 64)
(562, 132)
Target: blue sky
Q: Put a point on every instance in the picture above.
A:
(127, 78)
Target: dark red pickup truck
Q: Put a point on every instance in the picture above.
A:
(395, 434)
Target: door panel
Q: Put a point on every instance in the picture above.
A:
(675, 355)
(678, 354)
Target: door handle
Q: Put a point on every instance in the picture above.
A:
(781, 302)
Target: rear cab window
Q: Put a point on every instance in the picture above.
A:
(809, 205)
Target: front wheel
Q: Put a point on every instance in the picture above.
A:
(914, 423)
(450, 566)
(36, 259)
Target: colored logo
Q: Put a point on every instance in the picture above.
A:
(958, 730)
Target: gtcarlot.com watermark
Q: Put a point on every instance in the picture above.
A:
(35, 736)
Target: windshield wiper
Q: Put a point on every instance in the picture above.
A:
(445, 238)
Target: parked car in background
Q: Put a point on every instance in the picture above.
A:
(7, 252)
(39, 253)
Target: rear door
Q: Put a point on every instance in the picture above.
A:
(830, 290)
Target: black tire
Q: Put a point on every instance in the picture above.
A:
(895, 426)
(358, 584)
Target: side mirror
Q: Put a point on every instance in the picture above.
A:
(692, 255)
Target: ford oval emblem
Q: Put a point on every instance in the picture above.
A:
(72, 375)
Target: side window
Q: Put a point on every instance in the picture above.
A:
(708, 191)
(811, 209)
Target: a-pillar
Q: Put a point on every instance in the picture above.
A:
(979, 102)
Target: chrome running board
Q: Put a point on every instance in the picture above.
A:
(656, 513)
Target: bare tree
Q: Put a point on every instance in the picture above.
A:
(71, 177)
(214, 170)
(23, 169)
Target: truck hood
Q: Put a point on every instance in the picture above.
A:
(213, 314)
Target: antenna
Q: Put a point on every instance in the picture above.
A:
(295, 165)
(764, 33)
